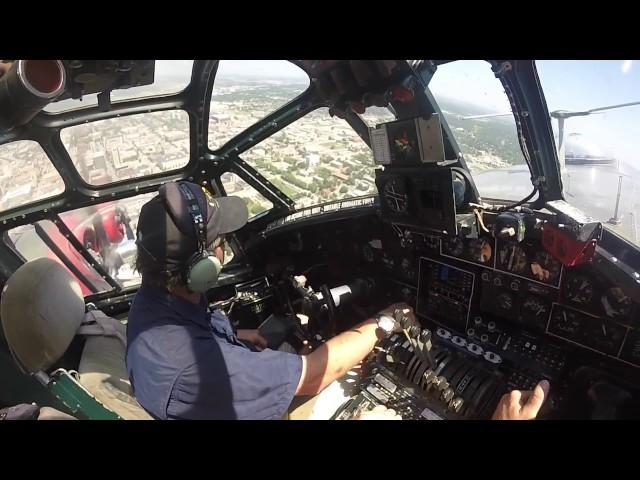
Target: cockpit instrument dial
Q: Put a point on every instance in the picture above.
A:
(535, 307)
(395, 195)
(480, 250)
(453, 247)
(513, 258)
(545, 268)
(616, 303)
(505, 301)
(579, 289)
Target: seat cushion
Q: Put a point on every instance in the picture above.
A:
(102, 371)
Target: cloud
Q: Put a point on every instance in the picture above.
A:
(626, 66)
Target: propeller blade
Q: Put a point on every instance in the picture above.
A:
(611, 107)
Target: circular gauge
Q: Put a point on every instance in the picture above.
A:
(367, 253)
(505, 302)
(566, 322)
(534, 306)
(407, 295)
(604, 336)
(405, 267)
(616, 303)
(579, 289)
(454, 247)
(432, 242)
(395, 195)
(545, 268)
(513, 258)
(480, 250)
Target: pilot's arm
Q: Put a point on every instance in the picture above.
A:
(337, 356)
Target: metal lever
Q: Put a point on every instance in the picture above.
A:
(424, 345)
(420, 340)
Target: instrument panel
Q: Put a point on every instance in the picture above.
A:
(459, 279)
(506, 308)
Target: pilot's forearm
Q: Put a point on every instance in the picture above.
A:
(334, 358)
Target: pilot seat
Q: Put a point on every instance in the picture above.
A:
(43, 312)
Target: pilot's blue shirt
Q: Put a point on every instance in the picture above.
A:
(185, 362)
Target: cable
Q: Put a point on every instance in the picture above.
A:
(478, 214)
(517, 204)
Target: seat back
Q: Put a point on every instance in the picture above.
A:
(42, 309)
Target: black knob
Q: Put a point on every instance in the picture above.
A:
(484, 338)
(471, 332)
(402, 317)
(491, 326)
(477, 321)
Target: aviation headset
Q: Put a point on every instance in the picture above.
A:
(202, 269)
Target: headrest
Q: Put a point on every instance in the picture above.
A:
(41, 310)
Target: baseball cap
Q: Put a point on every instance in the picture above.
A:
(166, 229)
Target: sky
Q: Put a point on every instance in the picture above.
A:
(573, 85)
(275, 69)
(585, 84)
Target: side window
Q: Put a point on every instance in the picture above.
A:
(43, 239)
(106, 230)
(246, 91)
(478, 111)
(235, 186)
(26, 174)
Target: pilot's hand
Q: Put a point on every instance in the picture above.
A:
(379, 412)
(524, 405)
(253, 336)
(406, 310)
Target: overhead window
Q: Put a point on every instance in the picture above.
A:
(122, 148)
(246, 91)
(171, 76)
(316, 159)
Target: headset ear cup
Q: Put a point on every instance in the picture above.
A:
(204, 274)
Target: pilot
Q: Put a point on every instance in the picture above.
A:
(186, 362)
